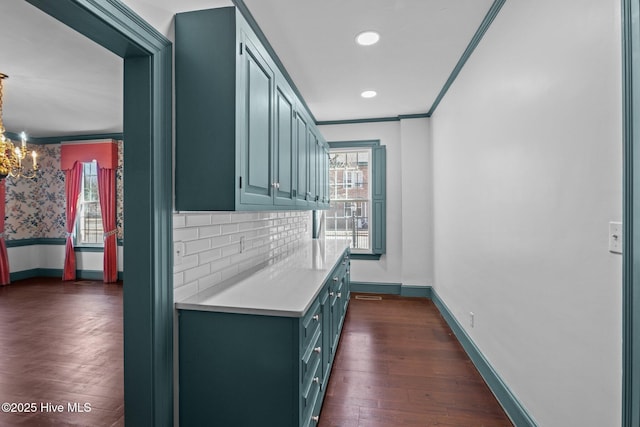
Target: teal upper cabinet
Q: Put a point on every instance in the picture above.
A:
(312, 181)
(254, 127)
(285, 161)
(302, 156)
(244, 141)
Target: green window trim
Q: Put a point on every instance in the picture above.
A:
(378, 195)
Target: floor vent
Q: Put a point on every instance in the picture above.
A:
(369, 297)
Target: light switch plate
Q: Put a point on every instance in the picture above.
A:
(615, 237)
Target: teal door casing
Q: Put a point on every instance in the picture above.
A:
(148, 288)
(631, 214)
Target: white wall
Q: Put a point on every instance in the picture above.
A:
(30, 257)
(409, 247)
(417, 206)
(527, 174)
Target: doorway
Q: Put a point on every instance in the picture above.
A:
(148, 290)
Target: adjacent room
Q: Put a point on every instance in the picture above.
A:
(61, 298)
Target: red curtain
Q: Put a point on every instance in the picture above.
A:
(72, 179)
(107, 194)
(4, 258)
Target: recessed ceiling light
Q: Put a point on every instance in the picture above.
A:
(367, 38)
(368, 94)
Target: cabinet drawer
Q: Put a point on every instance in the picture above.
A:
(311, 395)
(312, 418)
(310, 324)
(311, 358)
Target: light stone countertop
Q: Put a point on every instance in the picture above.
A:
(285, 288)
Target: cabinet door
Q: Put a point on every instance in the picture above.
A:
(336, 312)
(312, 189)
(324, 176)
(255, 114)
(302, 160)
(325, 304)
(284, 166)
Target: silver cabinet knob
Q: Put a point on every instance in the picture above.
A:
(330, 294)
(316, 380)
(315, 418)
(339, 295)
(335, 279)
(316, 317)
(317, 350)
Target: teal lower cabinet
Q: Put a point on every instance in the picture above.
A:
(239, 369)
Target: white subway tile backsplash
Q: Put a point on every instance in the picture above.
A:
(209, 231)
(230, 250)
(208, 256)
(179, 221)
(229, 272)
(185, 291)
(209, 281)
(220, 264)
(229, 228)
(188, 262)
(194, 220)
(212, 249)
(220, 218)
(182, 234)
(197, 273)
(220, 241)
(196, 246)
(178, 280)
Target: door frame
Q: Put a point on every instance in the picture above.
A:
(631, 213)
(148, 273)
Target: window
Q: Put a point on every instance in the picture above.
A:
(353, 178)
(89, 230)
(357, 183)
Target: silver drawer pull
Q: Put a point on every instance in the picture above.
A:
(315, 418)
(316, 317)
(330, 294)
(316, 380)
(339, 295)
(317, 350)
(335, 279)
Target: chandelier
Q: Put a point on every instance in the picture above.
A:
(14, 160)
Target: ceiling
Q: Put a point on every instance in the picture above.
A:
(64, 84)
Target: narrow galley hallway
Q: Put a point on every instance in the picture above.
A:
(399, 364)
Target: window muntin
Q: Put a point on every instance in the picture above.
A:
(89, 230)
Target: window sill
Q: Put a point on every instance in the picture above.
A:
(89, 248)
(374, 257)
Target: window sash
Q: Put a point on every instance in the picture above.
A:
(89, 230)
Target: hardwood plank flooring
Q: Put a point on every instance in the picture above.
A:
(61, 343)
(399, 364)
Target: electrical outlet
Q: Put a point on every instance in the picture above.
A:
(615, 237)
(472, 319)
(178, 252)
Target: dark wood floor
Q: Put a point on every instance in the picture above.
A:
(399, 364)
(61, 343)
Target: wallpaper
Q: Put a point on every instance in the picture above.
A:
(35, 208)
